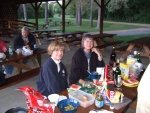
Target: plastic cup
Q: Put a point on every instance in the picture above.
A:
(93, 75)
(53, 98)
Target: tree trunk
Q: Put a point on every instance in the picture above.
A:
(99, 13)
(46, 13)
(79, 14)
(76, 12)
(25, 12)
(91, 14)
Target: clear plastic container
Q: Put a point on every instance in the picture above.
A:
(79, 96)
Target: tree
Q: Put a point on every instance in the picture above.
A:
(25, 12)
(91, 14)
(46, 12)
(99, 13)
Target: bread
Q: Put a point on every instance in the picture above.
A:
(85, 98)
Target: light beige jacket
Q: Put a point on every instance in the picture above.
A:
(143, 99)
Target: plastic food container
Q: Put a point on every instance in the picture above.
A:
(79, 96)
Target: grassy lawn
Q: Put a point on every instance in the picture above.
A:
(85, 27)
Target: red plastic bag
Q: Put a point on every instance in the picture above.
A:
(33, 97)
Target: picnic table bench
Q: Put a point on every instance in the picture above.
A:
(20, 77)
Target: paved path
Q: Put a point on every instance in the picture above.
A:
(130, 32)
(145, 29)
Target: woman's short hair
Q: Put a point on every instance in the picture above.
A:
(55, 45)
(86, 36)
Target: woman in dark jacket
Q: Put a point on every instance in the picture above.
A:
(53, 74)
(85, 58)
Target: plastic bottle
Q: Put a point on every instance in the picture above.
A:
(10, 50)
(112, 57)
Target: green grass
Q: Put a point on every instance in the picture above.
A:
(85, 27)
(127, 38)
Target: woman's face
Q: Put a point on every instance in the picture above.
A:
(88, 44)
(57, 54)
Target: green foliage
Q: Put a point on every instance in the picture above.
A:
(136, 11)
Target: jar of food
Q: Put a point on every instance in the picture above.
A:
(99, 101)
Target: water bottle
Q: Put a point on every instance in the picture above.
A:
(10, 50)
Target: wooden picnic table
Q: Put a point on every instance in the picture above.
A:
(100, 38)
(39, 33)
(129, 92)
(68, 23)
(17, 60)
(143, 45)
(68, 37)
(6, 31)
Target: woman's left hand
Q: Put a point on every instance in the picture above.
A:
(98, 53)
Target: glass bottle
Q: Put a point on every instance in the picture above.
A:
(117, 76)
(139, 58)
(10, 50)
(135, 54)
(112, 57)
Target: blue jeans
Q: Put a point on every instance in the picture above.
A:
(9, 69)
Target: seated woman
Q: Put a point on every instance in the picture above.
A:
(53, 74)
(85, 58)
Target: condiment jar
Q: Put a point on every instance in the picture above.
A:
(99, 101)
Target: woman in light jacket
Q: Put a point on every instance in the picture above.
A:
(143, 99)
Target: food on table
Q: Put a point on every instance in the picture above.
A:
(130, 82)
(75, 87)
(114, 96)
(85, 98)
(69, 107)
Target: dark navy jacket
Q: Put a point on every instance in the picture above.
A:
(19, 43)
(79, 65)
(49, 80)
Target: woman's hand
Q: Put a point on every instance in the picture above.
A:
(98, 53)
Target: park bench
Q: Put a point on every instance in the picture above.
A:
(20, 77)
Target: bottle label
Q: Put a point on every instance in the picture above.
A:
(119, 79)
(99, 103)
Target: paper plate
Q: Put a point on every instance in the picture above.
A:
(62, 97)
(132, 85)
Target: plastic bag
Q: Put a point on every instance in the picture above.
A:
(33, 98)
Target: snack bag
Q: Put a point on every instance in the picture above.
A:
(124, 71)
